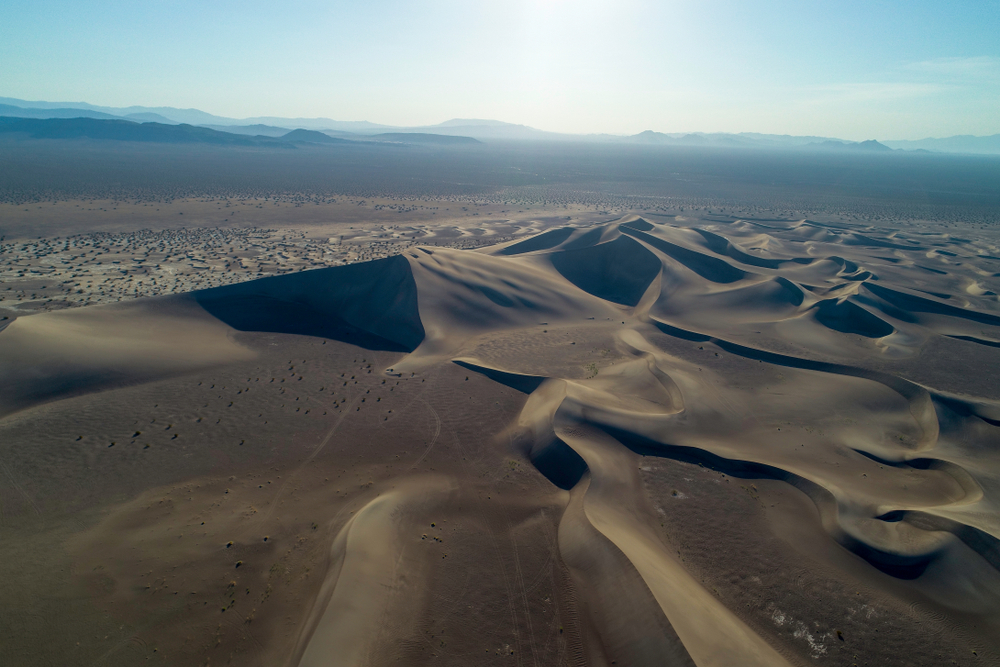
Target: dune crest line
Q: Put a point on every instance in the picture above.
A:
(641, 441)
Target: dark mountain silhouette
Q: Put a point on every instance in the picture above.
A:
(22, 112)
(148, 118)
(651, 137)
(486, 129)
(871, 145)
(749, 140)
(862, 146)
(252, 130)
(958, 144)
(125, 130)
(311, 137)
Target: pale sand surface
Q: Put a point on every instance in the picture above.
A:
(662, 439)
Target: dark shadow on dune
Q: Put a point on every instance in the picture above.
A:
(790, 292)
(968, 408)
(722, 246)
(851, 271)
(847, 266)
(683, 334)
(560, 464)
(862, 240)
(908, 390)
(543, 241)
(45, 387)
(522, 383)
(617, 271)
(706, 266)
(557, 461)
(586, 240)
(930, 270)
(371, 305)
(940, 295)
(896, 565)
(979, 541)
(909, 302)
(956, 472)
(639, 224)
(850, 318)
(264, 313)
(496, 297)
(977, 341)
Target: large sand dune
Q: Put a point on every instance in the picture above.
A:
(656, 440)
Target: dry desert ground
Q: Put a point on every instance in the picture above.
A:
(559, 437)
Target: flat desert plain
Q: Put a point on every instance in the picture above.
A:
(646, 440)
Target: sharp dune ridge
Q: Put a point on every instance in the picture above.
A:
(653, 440)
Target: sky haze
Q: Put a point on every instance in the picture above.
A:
(856, 70)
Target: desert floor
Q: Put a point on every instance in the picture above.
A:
(496, 437)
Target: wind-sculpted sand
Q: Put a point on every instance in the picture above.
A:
(650, 441)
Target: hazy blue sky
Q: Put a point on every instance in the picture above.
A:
(904, 69)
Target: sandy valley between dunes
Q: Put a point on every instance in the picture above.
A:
(655, 440)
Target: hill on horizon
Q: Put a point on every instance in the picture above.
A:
(10, 110)
(755, 140)
(126, 130)
(252, 130)
(465, 122)
(311, 137)
(476, 128)
(147, 117)
(869, 145)
(963, 143)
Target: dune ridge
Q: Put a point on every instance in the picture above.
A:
(818, 368)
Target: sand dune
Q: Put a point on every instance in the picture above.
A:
(647, 441)
(73, 351)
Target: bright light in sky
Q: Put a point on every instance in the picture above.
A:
(851, 69)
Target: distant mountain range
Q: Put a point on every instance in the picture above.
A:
(754, 140)
(463, 131)
(198, 117)
(253, 130)
(424, 138)
(309, 137)
(964, 143)
(119, 129)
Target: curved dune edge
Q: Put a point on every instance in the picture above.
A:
(710, 633)
(366, 597)
(49, 356)
(799, 354)
(867, 526)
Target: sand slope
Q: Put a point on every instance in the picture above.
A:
(649, 441)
